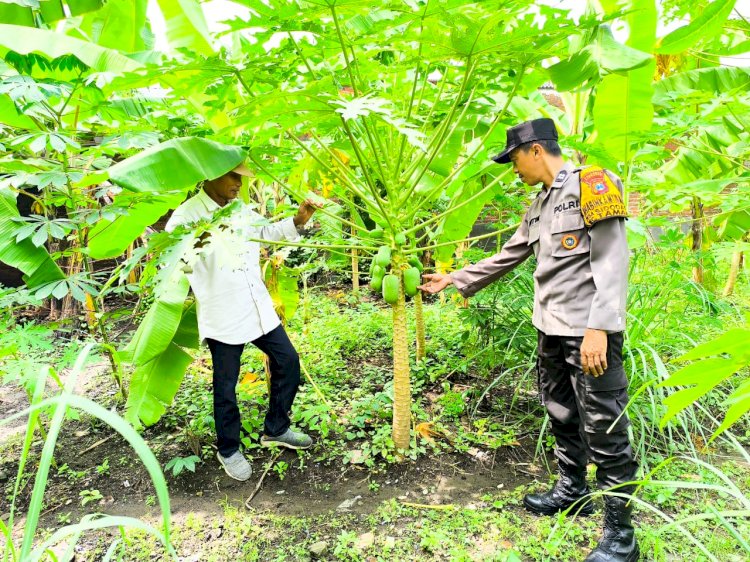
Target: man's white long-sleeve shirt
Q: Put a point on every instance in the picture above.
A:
(234, 305)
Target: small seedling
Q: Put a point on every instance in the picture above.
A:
(280, 468)
(178, 464)
(88, 496)
(104, 467)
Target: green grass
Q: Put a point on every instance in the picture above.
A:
(477, 386)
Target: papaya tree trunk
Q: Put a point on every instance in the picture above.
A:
(419, 322)
(401, 380)
(734, 271)
(697, 230)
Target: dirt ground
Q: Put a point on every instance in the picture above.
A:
(315, 489)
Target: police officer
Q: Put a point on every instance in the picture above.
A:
(576, 229)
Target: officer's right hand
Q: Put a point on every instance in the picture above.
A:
(435, 282)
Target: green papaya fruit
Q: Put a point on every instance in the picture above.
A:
(412, 277)
(416, 262)
(390, 288)
(400, 239)
(376, 281)
(377, 232)
(383, 257)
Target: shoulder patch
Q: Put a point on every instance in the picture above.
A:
(561, 176)
(600, 197)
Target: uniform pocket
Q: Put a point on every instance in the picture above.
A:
(612, 379)
(604, 399)
(569, 235)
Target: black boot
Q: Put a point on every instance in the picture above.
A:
(618, 542)
(571, 488)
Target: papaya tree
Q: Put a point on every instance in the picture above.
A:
(397, 108)
(399, 105)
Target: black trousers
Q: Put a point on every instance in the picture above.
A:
(285, 379)
(583, 407)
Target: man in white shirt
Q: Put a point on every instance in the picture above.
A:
(234, 308)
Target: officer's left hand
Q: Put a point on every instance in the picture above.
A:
(594, 352)
(305, 211)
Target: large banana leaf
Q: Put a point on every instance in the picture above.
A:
(706, 26)
(158, 328)
(186, 26)
(120, 25)
(156, 353)
(9, 115)
(35, 262)
(603, 56)
(25, 40)
(21, 13)
(108, 239)
(734, 225)
(714, 80)
(154, 385)
(176, 164)
(168, 170)
(16, 14)
(623, 105)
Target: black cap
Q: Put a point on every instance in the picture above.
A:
(528, 131)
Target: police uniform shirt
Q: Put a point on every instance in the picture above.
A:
(234, 305)
(580, 279)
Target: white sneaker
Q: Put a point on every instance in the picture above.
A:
(236, 466)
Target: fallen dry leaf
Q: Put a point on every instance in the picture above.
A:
(427, 431)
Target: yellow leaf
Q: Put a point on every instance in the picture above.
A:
(326, 187)
(443, 266)
(427, 431)
(341, 155)
(249, 380)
